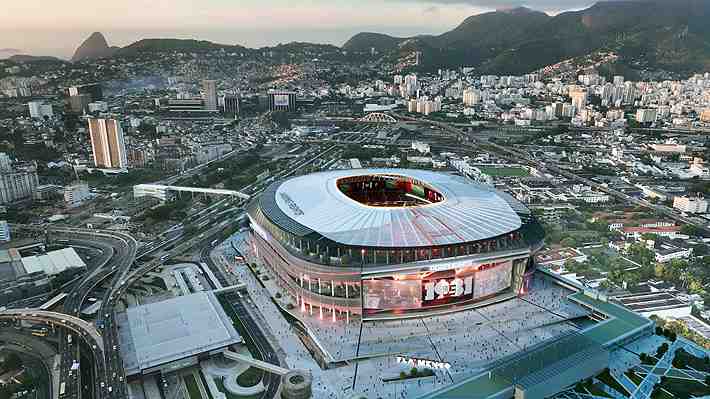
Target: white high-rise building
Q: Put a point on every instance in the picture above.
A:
(107, 144)
(17, 185)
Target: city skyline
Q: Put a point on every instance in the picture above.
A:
(57, 31)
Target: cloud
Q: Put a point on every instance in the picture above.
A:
(431, 10)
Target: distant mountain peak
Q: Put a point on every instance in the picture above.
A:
(94, 47)
(522, 10)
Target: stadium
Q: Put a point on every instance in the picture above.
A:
(392, 243)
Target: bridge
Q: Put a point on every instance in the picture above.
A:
(161, 191)
(377, 117)
(271, 368)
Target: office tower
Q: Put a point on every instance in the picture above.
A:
(209, 94)
(282, 101)
(107, 144)
(17, 185)
(4, 231)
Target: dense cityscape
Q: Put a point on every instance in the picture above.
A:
(181, 219)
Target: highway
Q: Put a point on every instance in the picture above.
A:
(118, 252)
(118, 266)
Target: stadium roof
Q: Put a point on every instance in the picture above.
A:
(53, 262)
(314, 203)
(174, 329)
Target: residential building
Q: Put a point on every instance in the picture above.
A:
(579, 97)
(690, 204)
(38, 110)
(645, 115)
(16, 185)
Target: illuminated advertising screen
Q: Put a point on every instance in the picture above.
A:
(281, 100)
(443, 288)
(388, 294)
(436, 288)
(493, 278)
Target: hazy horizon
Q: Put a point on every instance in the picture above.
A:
(57, 30)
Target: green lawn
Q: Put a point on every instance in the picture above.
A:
(192, 387)
(606, 378)
(251, 377)
(637, 379)
(229, 395)
(505, 171)
(685, 389)
(684, 359)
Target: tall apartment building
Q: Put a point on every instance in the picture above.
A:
(107, 144)
(690, 205)
(209, 94)
(471, 97)
(17, 185)
(579, 97)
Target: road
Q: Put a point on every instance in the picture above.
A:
(266, 351)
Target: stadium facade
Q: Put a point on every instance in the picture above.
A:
(392, 243)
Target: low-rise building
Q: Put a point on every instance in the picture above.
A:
(76, 194)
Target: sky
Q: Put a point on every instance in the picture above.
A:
(57, 27)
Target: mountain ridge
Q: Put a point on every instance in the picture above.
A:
(520, 40)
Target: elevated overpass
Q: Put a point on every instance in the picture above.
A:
(161, 192)
(271, 368)
(75, 324)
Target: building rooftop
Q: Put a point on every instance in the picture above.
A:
(464, 212)
(53, 262)
(174, 329)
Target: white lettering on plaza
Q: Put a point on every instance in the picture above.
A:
(448, 289)
(423, 363)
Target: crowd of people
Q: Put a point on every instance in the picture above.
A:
(467, 340)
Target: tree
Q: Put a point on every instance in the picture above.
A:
(568, 242)
(689, 230)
